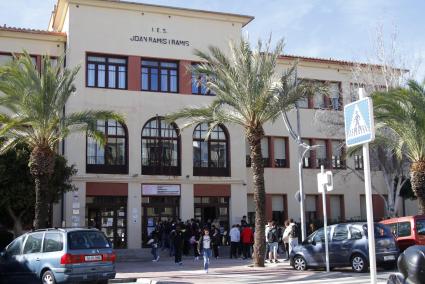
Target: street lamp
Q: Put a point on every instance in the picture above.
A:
(303, 148)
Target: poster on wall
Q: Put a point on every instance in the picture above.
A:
(161, 189)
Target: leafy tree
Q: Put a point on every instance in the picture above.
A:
(249, 94)
(402, 110)
(33, 113)
(17, 187)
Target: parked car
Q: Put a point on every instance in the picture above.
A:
(408, 230)
(58, 256)
(348, 246)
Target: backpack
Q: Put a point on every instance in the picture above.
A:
(294, 232)
(272, 236)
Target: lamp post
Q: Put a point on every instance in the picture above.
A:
(303, 148)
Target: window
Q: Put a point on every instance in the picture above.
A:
(307, 158)
(355, 233)
(111, 158)
(334, 96)
(336, 205)
(319, 101)
(251, 209)
(265, 151)
(211, 156)
(199, 84)
(160, 148)
(340, 233)
(337, 155)
(321, 153)
(278, 210)
(106, 72)
(320, 235)
(303, 102)
(280, 155)
(159, 76)
(358, 161)
(248, 154)
(310, 208)
(404, 229)
(5, 58)
(52, 242)
(87, 240)
(420, 227)
(33, 243)
(15, 247)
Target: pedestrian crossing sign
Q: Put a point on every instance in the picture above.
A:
(359, 123)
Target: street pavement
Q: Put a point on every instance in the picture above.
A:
(225, 270)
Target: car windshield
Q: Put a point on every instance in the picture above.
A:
(420, 226)
(87, 240)
(381, 231)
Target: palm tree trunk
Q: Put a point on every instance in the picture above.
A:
(41, 165)
(417, 179)
(254, 139)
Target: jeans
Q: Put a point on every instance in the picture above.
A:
(234, 249)
(154, 251)
(207, 255)
(292, 244)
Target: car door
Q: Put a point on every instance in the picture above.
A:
(340, 245)
(32, 252)
(13, 268)
(316, 249)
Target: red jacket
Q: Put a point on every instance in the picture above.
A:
(247, 237)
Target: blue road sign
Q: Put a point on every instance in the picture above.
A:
(359, 123)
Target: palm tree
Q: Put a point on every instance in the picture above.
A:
(403, 111)
(33, 113)
(247, 95)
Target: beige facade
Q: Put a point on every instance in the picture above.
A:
(136, 32)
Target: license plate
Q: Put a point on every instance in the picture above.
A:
(389, 257)
(93, 258)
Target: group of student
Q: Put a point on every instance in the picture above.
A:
(284, 237)
(206, 241)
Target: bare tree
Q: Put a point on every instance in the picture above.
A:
(385, 68)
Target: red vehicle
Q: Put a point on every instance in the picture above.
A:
(408, 230)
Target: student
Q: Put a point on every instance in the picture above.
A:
(178, 240)
(216, 241)
(247, 237)
(154, 242)
(272, 240)
(235, 237)
(292, 233)
(204, 248)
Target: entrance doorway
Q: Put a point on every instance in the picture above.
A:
(212, 209)
(156, 209)
(109, 215)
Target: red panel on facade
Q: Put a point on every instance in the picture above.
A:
(134, 73)
(106, 189)
(185, 77)
(269, 209)
(211, 190)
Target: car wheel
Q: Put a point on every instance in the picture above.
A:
(358, 263)
(300, 263)
(48, 277)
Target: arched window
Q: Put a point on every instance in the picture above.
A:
(113, 157)
(211, 155)
(160, 148)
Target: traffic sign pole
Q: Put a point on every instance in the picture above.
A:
(325, 218)
(369, 208)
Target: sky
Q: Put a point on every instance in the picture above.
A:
(339, 29)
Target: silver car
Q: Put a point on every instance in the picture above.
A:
(348, 246)
(58, 256)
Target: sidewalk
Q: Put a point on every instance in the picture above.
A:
(232, 271)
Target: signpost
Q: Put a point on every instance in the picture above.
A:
(360, 129)
(325, 183)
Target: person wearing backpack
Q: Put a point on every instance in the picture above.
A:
(273, 241)
(292, 233)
